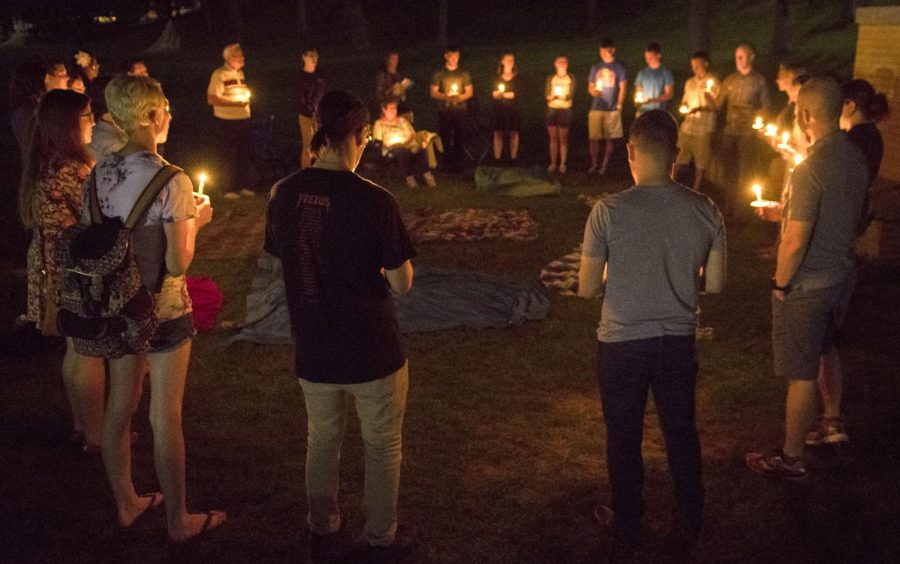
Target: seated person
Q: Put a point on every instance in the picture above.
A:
(398, 140)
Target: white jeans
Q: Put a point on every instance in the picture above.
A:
(380, 405)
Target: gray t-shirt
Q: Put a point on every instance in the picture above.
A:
(654, 240)
(827, 189)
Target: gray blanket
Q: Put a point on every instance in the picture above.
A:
(440, 299)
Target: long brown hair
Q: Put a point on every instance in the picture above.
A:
(54, 136)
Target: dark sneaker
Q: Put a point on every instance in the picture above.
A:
(404, 540)
(323, 549)
(828, 431)
(625, 542)
(774, 464)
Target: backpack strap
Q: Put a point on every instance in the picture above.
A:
(150, 193)
(93, 200)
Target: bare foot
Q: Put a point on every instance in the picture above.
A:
(142, 504)
(196, 524)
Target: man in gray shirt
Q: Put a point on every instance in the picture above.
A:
(652, 247)
(822, 206)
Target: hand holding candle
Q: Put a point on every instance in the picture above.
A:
(709, 84)
(771, 130)
(684, 109)
(501, 88)
(759, 202)
(639, 97)
(454, 89)
(598, 87)
(758, 123)
(202, 183)
(558, 91)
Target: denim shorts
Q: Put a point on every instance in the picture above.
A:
(172, 333)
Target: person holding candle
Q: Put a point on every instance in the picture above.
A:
(559, 90)
(507, 114)
(654, 83)
(55, 166)
(163, 248)
(310, 89)
(229, 97)
(344, 250)
(695, 139)
(744, 94)
(607, 84)
(452, 87)
(392, 84)
(660, 244)
(821, 208)
(397, 137)
(863, 109)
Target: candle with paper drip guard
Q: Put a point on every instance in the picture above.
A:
(558, 91)
(771, 130)
(759, 202)
(758, 123)
(684, 109)
(394, 139)
(786, 143)
(201, 186)
(709, 84)
(454, 89)
(639, 98)
(501, 88)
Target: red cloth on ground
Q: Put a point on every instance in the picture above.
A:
(207, 300)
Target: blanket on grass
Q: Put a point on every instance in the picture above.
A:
(562, 273)
(440, 299)
(514, 182)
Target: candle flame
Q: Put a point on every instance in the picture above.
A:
(709, 84)
(771, 130)
(798, 158)
(501, 87)
(639, 97)
(684, 109)
(757, 189)
(758, 123)
(557, 90)
(598, 86)
(785, 137)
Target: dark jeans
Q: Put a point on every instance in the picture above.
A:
(626, 371)
(234, 153)
(454, 125)
(411, 164)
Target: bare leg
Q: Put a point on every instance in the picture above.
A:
(610, 145)
(126, 383)
(513, 145)
(698, 179)
(563, 145)
(831, 383)
(800, 412)
(85, 381)
(553, 134)
(595, 153)
(168, 371)
(498, 145)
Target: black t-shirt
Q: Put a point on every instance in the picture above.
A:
(310, 89)
(334, 232)
(867, 139)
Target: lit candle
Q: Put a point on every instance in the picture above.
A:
(785, 137)
(501, 87)
(395, 139)
(639, 98)
(709, 85)
(558, 91)
(785, 142)
(759, 202)
(771, 130)
(798, 158)
(758, 123)
(684, 109)
(202, 178)
(454, 89)
(598, 86)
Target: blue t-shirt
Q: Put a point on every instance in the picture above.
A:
(652, 83)
(609, 75)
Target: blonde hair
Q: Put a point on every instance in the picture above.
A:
(131, 99)
(232, 50)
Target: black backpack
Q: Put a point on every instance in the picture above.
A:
(103, 304)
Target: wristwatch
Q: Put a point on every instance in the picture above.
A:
(786, 289)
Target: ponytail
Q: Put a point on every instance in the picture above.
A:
(879, 108)
(339, 115)
(873, 106)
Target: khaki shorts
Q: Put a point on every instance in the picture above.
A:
(604, 125)
(697, 148)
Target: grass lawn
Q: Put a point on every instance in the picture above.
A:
(504, 448)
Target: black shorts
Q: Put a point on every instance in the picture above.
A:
(172, 333)
(507, 118)
(558, 117)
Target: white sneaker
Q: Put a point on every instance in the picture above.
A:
(231, 196)
(247, 193)
(429, 180)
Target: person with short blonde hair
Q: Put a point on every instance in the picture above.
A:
(229, 97)
(163, 248)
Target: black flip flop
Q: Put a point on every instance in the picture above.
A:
(206, 527)
(151, 505)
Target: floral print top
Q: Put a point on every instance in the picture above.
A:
(58, 205)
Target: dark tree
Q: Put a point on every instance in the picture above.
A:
(443, 37)
(235, 20)
(592, 15)
(700, 13)
(302, 21)
(355, 21)
(780, 30)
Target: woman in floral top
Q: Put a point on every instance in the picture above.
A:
(55, 166)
